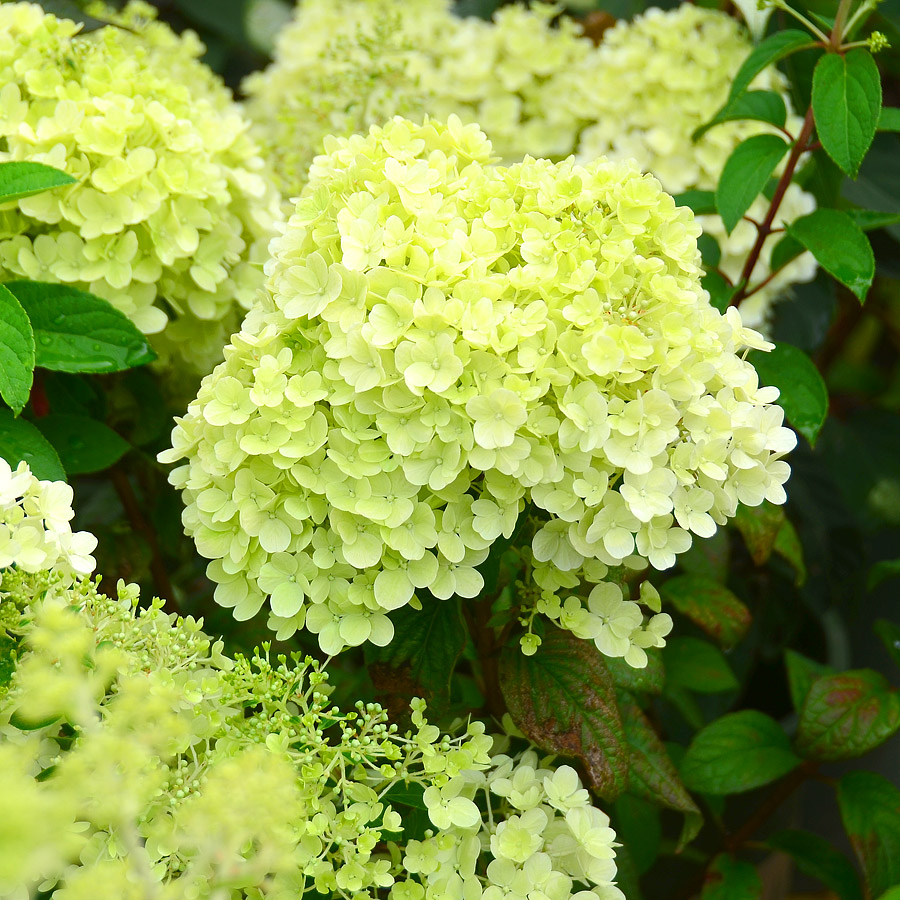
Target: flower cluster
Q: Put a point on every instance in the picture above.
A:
(443, 340)
(35, 534)
(342, 65)
(653, 82)
(172, 210)
(138, 760)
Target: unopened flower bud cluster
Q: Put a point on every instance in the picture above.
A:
(172, 210)
(652, 83)
(444, 340)
(137, 760)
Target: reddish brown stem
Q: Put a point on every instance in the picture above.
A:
(765, 227)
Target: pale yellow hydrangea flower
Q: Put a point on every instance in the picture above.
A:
(444, 340)
(173, 208)
(650, 85)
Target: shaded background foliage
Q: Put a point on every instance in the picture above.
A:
(790, 598)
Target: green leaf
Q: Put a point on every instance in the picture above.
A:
(846, 715)
(766, 53)
(818, 859)
(710, 251)
(804, 396)
(839, 246)
(78, 332)
(746, 173)
(16, 352)
(788, 547)
(738, 752)
(69, 9)
(563, 699)
(652, 774)
(697, 665)
(870, 810)
(703, 203)
(889, 634)
(846, 102)
(710, 605)
(719, 290)
(20, 440)
(8, 655)
(759, 527)
(889, 120)
(25, 179)
(422, 656)
(84, 445)
(648, 680)
(870, 219)
(759, 106)
(709, 558)
(637, 824)
(784, 251)
(802, 672)
(728, 878)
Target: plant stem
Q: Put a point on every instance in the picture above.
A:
(144, 529)
(771, 805)
(765, 227)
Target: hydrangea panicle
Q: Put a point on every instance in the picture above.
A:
(444, 340)
(173, 207)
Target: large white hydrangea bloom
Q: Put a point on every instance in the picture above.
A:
(172, 210)
(443, 340)
(653, 82)
(342, 65)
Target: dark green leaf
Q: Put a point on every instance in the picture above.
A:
(846, 101)
(870, 219)
(563, 699)
(818, 859)
(720, 291)
(648, 680)
(710, 605)
(16, 352)
(20, 440)
(703, 203)
(804, 396)
(839, 246)
(759, 527)
(802, 672)
(889, 633)
(788, 547)
(84, 445)
(746, 173)
(882, 571)
(766, 53)
(78, 332)
(784, 251)
(739, 752)
(25, 179)
(697, 665)
(889, 120)
(870, 810)
(709, 558)
(637, 824)
(422, 656)
(759, 106)
(69, 9)
(8, 655)
(846, 715)
(710, 251)
(728, 878)
(652, 774)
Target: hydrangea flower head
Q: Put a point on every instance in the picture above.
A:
(342, 65)
(35, 534)
(172, 209)
(651, 83)
(444, 341)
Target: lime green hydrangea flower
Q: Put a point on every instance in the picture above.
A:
(138, 760)
(173, 208)
(342, 65)
(654, 81)
(443, 341)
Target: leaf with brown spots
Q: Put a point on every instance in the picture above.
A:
(563, 698)
(710, 605)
